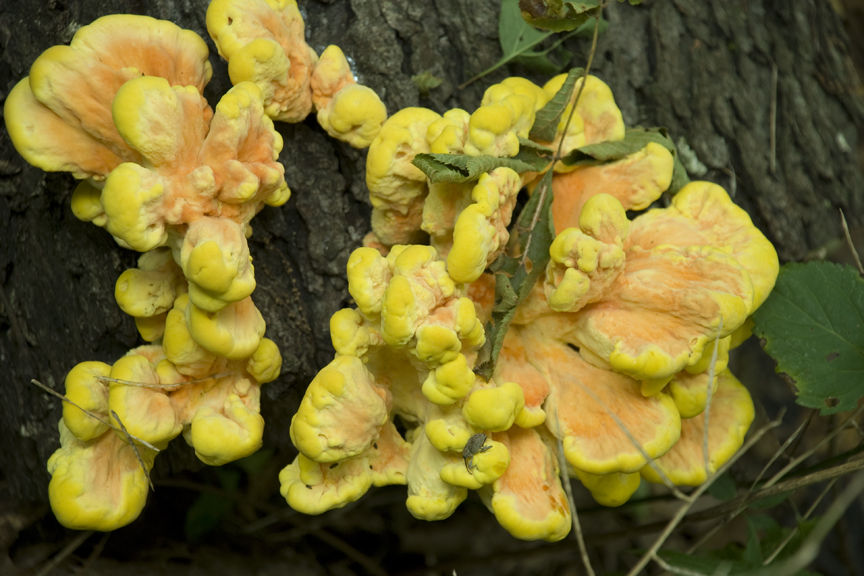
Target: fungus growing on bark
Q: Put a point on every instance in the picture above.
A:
(607, 359)
(166, 175)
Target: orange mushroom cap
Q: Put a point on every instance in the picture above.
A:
(264, 43)
(59, 118)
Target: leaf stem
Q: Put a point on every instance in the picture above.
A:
(505, 60)
(543, 187)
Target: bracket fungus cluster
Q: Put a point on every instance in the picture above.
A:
(121, 108)
(612, 355)
(608, 357)
(263, 42)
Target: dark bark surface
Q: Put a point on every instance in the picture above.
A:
(704, 70)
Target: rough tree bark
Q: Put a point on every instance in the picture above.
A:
(704, 70)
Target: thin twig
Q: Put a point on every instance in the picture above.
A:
(685, 507)
(809, 549)
(134, 449)
(851, 244)
(64, 553)
(674, 569)
(97, 551)
(269, 520)
(92, 415)
(731, 506)
(710, 534)
(335, 542)
(792, 464)
(708, 399)
(565, 479)
(777, 454)
(544, 189)
(794, 448)
(794, 531)
(623, 427)
(157, 385)
(772, 135)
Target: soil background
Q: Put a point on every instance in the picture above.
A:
(765, 93)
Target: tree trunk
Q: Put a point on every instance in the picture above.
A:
(763, 92)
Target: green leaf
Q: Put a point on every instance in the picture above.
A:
(698, 564)
(209, 509)
(753, 552)
(813, 326)
(547, 118)
(557, 15)
(723, 488)
(536, 155)
(517, 39)
(635, 139)
(425, 81)
(458, 168)
(769, 502)
(254, 464)
(517, 276)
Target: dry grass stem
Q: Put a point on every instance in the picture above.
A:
(710, 534)
(851, 244)
(97, 551)
(623, 427)
(134, 449)
(335, 542)
(793, 463)
(568, 488)
(674, 569)
(543, 190)
(67, 550)
(809, 549)
(685, 507)
(92, 415)
(711, 376)
(152, 385)
(772, 136)
(794, 531)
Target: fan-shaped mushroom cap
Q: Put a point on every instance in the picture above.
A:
(636, 181)
(609, 489)
(411, 301)
(234, 332)
(192, 166)
(85, 388)
(597, 117)
(144, 408)
(216, 262)
(505, 115)
(222, 418)
(586, 261)
(313, 488)
(702, 214)
(264, 42)
(514, 366)
(189, 357)
(346, 110)
(480, 233)
(341, 413)
(730, 417)
(528, 500)
(397, 188)
(430, 497)
(593, 441)
(97, 484)
(59, 118)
